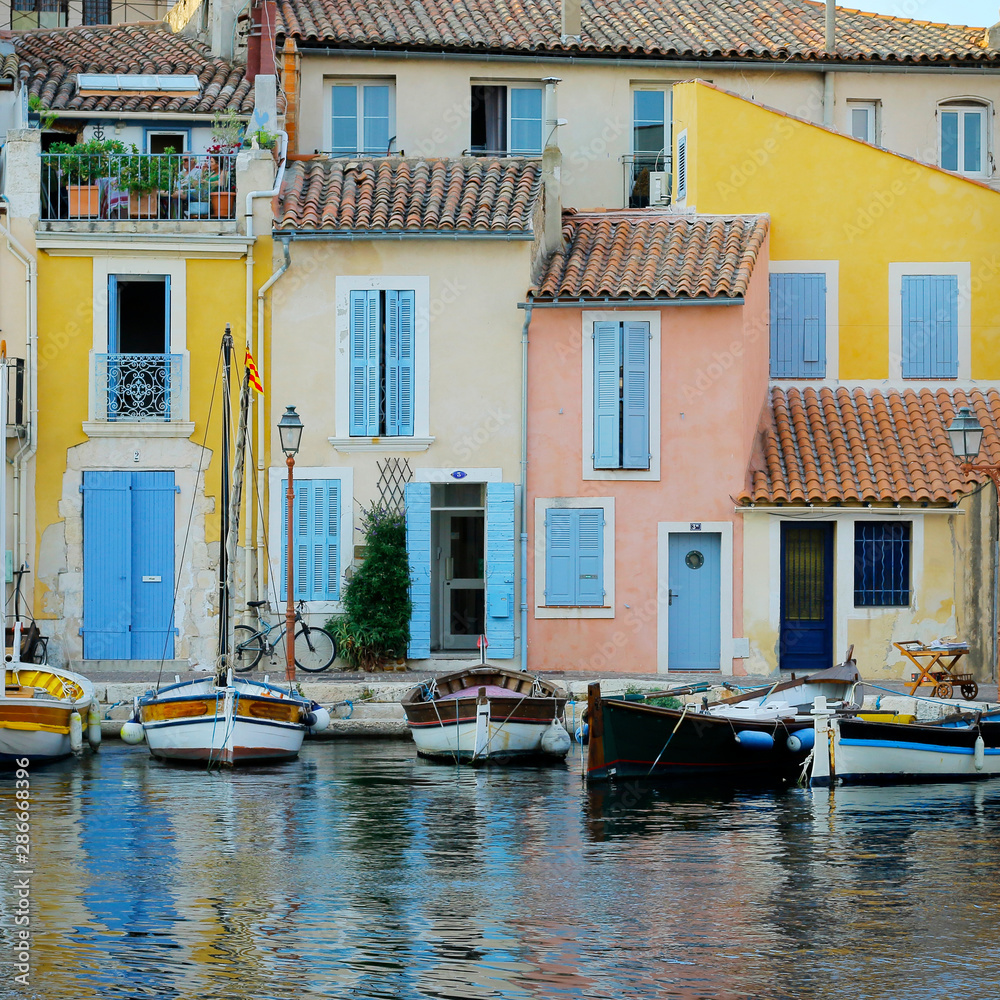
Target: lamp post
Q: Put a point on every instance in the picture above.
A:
(290, 433)
(966, 436)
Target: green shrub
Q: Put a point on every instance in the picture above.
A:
(84, 163)
(375, 626)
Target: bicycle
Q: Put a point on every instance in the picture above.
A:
(315, 648)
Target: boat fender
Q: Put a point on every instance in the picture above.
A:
(555, 740)
(94, 724)
(979, 755)
(804, 739)
(75, 732)
(754, 740)
(132, 732)
(317, 720)
(582, 732)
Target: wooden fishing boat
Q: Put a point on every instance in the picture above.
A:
(760, 737)
(487, 714)
(962, 746)
(44, 713)
(223, 719)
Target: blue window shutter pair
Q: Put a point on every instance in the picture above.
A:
(316, 537)
(930, 326)
(798, 325)
(574, 557)
(621, 395)
(418, 549)
(366, 363)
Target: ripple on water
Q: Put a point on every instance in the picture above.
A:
(361, 871)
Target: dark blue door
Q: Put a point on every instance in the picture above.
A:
(806, 641)
(128, 565)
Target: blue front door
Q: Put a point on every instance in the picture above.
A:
(128, 565)
(694, 623)
(806, 640)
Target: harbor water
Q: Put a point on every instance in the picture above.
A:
(361, 871)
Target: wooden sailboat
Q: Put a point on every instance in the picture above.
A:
(487, 714)
(44, 711)
(225, 719)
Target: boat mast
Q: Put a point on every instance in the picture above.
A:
(236, 496)
(227, 350)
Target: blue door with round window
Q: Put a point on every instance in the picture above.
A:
(694, 615)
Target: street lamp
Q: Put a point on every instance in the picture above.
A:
(290, 433)
(966, 435)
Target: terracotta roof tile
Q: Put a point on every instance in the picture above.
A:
(8, 65)
(397, 194)
(651, 253)
(50, 61)
(859, 446)
(683, 29)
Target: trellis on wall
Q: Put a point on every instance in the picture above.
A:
(393, 475)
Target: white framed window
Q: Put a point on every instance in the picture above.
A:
(574, 557)
(506, 120)
(863, 121)
(382, 376)
(362, 117)
(648, 175)
(964, 137)
(323, 532)
(160, 140)
(621, 401)
(930, 320)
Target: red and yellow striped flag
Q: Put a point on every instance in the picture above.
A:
(253, 373)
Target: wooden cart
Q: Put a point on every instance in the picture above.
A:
(938, 667)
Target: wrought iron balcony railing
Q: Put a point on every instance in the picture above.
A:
(138, 387)
(88, 187)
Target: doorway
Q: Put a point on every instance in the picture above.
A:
(459, 566)
(806, 639)
(694, 623)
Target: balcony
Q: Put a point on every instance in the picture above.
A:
(122, 187)
(647, 180)
(143, 388)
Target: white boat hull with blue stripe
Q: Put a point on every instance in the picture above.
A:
(856, 751)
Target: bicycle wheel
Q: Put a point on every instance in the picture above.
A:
(248, 648)
(315, 649)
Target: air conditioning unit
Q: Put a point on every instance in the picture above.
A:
(659, 187)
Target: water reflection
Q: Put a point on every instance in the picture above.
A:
(360, 871)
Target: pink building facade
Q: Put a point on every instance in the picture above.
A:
(647, 378)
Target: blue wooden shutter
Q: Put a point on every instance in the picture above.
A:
(399, 350)
(377, 127)
(635, 396)
(316, 539)
(107, 565)
(525, 121)
(560, 588)
(345, 120)
(607, 395)
(418, 548)
(326, 554)
(365, 358)
(590, 557)
(930, 326)
(798, 325)
(152, 626)
(500, 570)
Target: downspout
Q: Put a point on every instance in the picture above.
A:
(524, 485)
(285, 265)
(27, 450)
(831, 47)
(248, 219)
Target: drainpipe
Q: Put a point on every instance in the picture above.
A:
(248, 216)
(27, 450)
(831, 48)
(286, 264)
(524, 485)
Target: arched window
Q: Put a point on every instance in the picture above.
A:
(964, 136)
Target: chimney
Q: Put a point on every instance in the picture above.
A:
(290, 78)
(551, 171)
(222, 16)
(261, 40)
(570, 19)
(993, 36)
(831, 26)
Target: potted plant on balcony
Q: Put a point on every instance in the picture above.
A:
(196, 187)
(82, 165)
(146, 176)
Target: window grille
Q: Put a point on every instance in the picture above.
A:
(882, 564)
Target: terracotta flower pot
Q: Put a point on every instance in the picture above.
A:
(84, 201)
(222, 204)
(144, 206)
